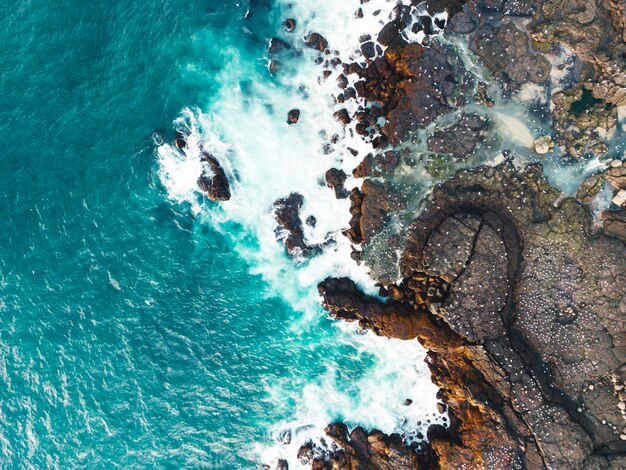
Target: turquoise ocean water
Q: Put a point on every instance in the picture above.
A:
(132, 333)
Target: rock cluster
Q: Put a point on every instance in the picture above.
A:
(290, 228)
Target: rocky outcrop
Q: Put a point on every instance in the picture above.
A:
(359, 450)
(595, 31)
(578, 119)
(290, 228)
(528, 344)
(504, 50)
(213, 180)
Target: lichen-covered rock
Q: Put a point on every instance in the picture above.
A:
(579, 119)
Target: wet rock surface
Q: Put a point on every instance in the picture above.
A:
(213, 180)
(290, 228)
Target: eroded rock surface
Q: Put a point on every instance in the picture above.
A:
(529, 345)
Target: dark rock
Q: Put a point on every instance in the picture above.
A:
(378, 201)
(215, 183)
(293, 116)
(461, 139)
(389, 33)
(273, 67)
(289, 24)
(316, 41)
(290, 229)
(354, 232)
(362, 450)
(335, 177)
(342, 116)
(368, 50)
(519, 7)
(463, 22)
(277, 46)
(180, 140)
(504, 50)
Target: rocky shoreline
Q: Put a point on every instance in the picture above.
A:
(515, 289)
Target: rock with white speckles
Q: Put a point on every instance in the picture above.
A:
(524, 343)
(526, 279)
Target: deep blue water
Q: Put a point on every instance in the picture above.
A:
(131, 333)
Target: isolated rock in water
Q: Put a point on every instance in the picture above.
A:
(289, 24)
(293, 116)
(180, 140)
(335, 177)
(277, 46)
(290, 228)
(214, 184)
(316, 41)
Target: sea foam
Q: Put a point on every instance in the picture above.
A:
(265, 159)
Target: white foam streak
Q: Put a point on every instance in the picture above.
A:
(266, 159)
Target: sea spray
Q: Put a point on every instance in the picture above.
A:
(266, 159)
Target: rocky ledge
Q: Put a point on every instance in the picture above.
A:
(521, 307)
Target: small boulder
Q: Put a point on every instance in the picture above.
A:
(293, 116)
(289, 24)
(543, 145)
